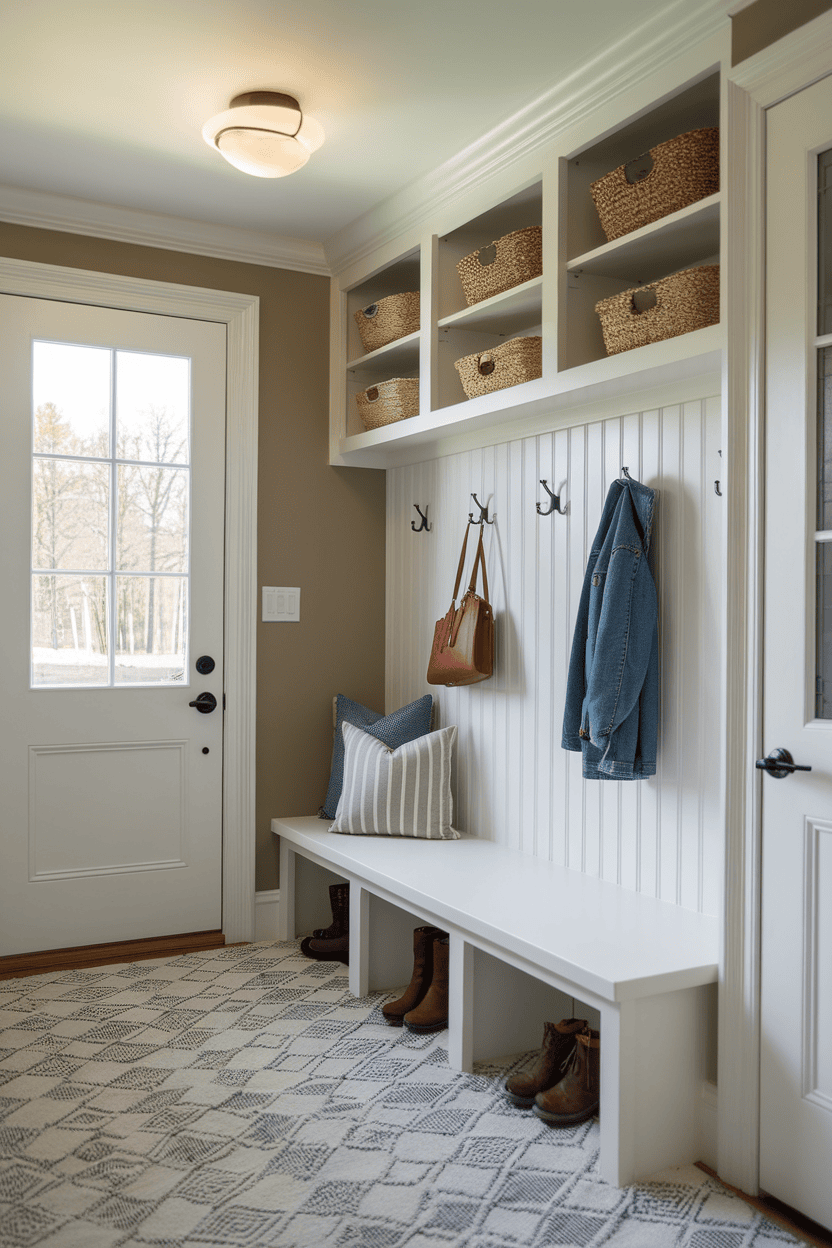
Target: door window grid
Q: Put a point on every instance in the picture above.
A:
(137, 589)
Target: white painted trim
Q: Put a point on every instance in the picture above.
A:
(240, 314)
(739, 989)
(792, 63)
(267, 914)
(594, 84)
(155, 229)
(788, 66)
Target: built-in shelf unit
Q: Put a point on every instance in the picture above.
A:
(580, 267)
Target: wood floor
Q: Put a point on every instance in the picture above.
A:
(79, 956)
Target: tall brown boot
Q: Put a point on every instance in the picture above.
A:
(339, 900)
(577, 1095)
(423, 938)
(558, 1044)
(432, 1012)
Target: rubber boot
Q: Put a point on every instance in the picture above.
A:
(423, 938)
(336, 949)
(339, 899)
(431, 1014)
(576, 1097)
(558, 1044)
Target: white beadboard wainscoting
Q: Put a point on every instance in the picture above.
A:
(514, 782)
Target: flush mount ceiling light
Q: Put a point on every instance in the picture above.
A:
(264, 133)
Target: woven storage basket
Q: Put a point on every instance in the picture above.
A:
(519, 359)
(665, 179)
(685, 301)
(387, 320)
(512, 259)
(389, 401)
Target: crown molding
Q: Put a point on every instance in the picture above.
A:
(153, 229)
(792, 63)
(618, 68)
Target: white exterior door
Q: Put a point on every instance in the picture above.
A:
(111, 566)
(796, 1072)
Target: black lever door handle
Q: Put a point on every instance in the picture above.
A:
(205, 703)
(779, 764)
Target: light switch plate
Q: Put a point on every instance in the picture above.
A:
(281, 603)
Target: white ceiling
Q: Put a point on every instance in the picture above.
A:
(104, 100)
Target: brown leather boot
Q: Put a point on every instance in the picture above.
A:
(339, 900)
(558, 1044)
(576, 1097)
(323, 950)
(423, 938)
(432, 1012)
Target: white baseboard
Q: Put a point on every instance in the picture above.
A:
(266, 905)
(707, 1124)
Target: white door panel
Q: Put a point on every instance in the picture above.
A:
(796, 1037)
(111, 784)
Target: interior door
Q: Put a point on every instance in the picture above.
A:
(796, 1072)
(111, 567)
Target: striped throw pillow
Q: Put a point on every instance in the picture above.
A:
(402, 792)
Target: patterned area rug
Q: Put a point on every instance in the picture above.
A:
(243, 1097)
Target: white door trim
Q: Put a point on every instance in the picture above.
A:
(240, 314)
(790, 65)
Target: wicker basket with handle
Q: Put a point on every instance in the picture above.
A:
(510, 260)
(515, 361)
(389, 401)
(683, 302)
(663, 180)
(388, 319)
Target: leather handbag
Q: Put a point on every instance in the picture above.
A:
(463, 640)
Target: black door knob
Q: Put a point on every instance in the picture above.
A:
(205, 703)
(779, 764)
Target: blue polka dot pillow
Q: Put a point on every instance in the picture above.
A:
(393, 730)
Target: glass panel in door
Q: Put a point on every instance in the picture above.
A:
(111, 487)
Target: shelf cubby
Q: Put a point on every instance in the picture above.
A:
(515, 213)
(402, 275)
(694, 107)
(457, 341)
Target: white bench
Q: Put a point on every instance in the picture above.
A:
(526, 938)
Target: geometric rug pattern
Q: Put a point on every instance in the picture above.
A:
(242, 1097)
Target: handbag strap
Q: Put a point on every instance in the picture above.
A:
(479, 562)
(458, 580)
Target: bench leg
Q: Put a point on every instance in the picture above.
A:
(286, 910)
(460, 1004)
(652, 1067)
(359, 940)
(617, 1162)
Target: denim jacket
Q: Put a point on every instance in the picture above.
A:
(612, 690)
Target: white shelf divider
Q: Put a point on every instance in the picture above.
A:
(401, 352)
(674, 242)
(501, 314)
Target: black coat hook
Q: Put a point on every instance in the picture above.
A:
(554, 505)
(483, 517)
(417, 528)
(625, 473)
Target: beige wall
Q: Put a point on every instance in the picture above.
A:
(320, 528)
(766, 21)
